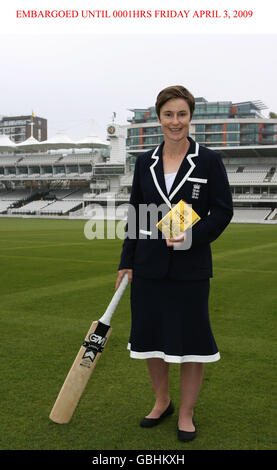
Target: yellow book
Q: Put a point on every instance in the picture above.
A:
(178, 220)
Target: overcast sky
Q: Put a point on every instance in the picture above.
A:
(77, 81)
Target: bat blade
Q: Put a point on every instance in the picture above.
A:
(80, 372)
(86, 360)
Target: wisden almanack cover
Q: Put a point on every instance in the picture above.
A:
(178, 220)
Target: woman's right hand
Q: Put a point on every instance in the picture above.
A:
(120, 275)
(177, 241)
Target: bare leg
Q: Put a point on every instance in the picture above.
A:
(191, 375)
(159, 374)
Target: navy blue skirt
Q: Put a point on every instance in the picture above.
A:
(170, 320)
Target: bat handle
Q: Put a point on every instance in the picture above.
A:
(106, 318)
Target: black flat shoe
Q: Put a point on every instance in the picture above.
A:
(150, 422)
(186, 436)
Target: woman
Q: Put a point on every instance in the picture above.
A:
(170, 286)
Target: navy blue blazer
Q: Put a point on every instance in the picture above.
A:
(202, 182)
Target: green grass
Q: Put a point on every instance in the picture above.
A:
(54, 282)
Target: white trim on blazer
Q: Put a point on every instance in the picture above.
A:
(192, 166)
(197, 180)
(186, 177)
(156, 158)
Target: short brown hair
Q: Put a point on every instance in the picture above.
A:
(177, 91)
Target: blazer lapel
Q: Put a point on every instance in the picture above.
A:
(186, 168)
(157, 172)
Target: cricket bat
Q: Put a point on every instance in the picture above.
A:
(85, 361)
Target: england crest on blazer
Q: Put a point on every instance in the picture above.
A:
(195, 191)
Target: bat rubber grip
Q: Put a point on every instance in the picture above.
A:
(106, 318)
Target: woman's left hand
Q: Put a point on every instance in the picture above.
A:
(177, 240)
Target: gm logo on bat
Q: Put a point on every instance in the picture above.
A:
(93, 346)
(93, 338)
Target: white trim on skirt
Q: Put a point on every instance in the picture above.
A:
(168, 358)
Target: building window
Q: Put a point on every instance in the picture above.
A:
(150, 130)
(72, 169)
(200, 137)
(133, 131)
(133, 141)
(232, 127)
(232, 137)
(23, 170)
(140, 115)
(214, 138)
(256, 190)
(214, 128)
(109, 171)
(85, 169)
(150, 140)
(11, 170)
(200, 128)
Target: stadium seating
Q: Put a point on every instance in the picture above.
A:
(4, 205)
(273, 215)
(30, 208)
(75, 159)
(242, 177)
(96, 211)
(17, 195)
(274, 178)
(231, 168)
(7, 161)
(242, 214)
(59, 207)
(63, 201)
(247, 177)
(76, 195)
(60, 193)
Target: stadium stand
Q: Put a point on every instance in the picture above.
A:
(60, 207)
(60, 193)
(59, 201)
(10, 198)
(17, 195)
(274, 178)
(4, 205)
(250, 214)
(247, 177)
(76, 195)
(273, 215)
(30, 208)
(86, 182)
(96, 211)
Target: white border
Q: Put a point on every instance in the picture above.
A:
(174, 359)
(263, 20)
